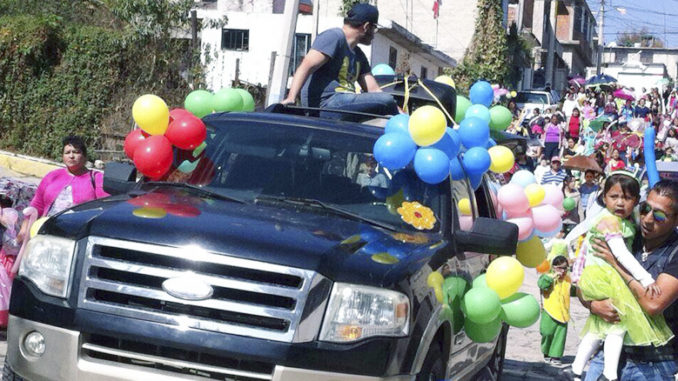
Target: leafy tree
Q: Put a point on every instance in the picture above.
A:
(346, 6)
(643, 37)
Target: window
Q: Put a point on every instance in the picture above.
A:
(579, 20)
(278, 6)
(235, 39)
(424, 72)
(392, 57)
(302, 43)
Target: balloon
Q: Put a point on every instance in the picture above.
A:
(479, 111)
(479, 282)
(482, 333)
(435, 279)
(523, 178)
(431, 165)
(199, 102)
(475, 179)
(476, 161)
(490, 143)
(398, 123)
(505, 276)
(35, 228)
(462, 106)
(227, 100)
(454, 287)
(186, 133)
(178, 113)
(132, 140)
(151, 114)
(474, 132)
(466, 223)
(549, 234)
(553, 196)
(382, 69)
(427, 125)
(394, 151)
(650, 159)
(531, 253)
(535, 194)
(456, 170)
(464, 206)
(501, 159)
(153, 156)
(449, 143)
(512, 198)
(543, 267)
(520, 310)
(446, 79)
(247, 100)
(546, 218)
(500, 118)
(456, 139)
(569, 204)
(481, 93)
(152, 213)
(525, 226)
(481, 305)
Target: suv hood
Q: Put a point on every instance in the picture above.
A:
(339, 248)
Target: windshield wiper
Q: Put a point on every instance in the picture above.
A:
(201, 190)
(325, 206)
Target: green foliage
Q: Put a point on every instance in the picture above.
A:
(346, 6)
(643, 37)
(518, 54)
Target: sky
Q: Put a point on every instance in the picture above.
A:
(658, 16)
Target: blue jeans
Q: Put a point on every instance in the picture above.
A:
(634, 370)
(374, 103)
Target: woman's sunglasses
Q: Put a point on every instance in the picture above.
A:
(658, 215)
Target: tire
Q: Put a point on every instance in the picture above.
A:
(492, 371)
(433, 368)
(9, 375)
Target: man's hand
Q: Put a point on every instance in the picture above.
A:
(653, 290)
(604, 310)
(288, 101)
(602, 250)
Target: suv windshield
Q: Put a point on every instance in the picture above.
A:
(255, 161)
(524, 97)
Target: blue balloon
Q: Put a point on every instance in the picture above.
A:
(550, 234)
(482, 93)
(448, 144)
(478, 111)
(476, 180)
(431, 165)
(474, 132)
(383, 69)
(456, 170)
(476, 161)
(398, 123)
(650, 159)
(491, 143)
(523, 178)
(394, 151)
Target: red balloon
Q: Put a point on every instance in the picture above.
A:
(132, 141)
(178, 113)
(186, 133)
(153, 157)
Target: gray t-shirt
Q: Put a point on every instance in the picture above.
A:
(339, 74)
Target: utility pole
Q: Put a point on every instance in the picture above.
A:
(601, 36)
(278, 87)
(550, 57)
(316, 17)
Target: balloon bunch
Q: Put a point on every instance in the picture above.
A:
(425, 137)
(535, 209)
(202, 102)
(150, 146)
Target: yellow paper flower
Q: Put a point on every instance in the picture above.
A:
(417, 215)
(410, 238)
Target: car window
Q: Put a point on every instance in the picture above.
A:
(525, 97)
(466, 210)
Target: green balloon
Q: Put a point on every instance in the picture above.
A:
(482, 333)
(227, 100)
(500, 118)
(481, 305)
(247, 100)
(199, 103)
(462, 105)
(454, 287)
(520, 310)
(480, 281)
(569, 204)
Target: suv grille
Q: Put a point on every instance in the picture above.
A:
(249, 298)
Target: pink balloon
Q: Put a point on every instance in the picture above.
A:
(466, 223)
(525, 226)
(546, 218)
(553, 196)
(513, 199)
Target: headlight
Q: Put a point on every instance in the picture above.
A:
(47, 262)
(356, 312)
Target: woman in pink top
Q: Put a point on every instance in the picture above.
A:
(552, 138)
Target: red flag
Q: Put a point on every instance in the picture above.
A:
(436, 9)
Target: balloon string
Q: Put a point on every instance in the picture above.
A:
(406, 97)
(437, 101)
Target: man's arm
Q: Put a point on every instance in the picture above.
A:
(368, 83)
(601, 308)
(311, 62)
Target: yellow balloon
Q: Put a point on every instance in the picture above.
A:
(446, 79)
(505, 276)
(151, 114)
(535, 194)
(36, 226)
(438, 290)
(152, 213)
(435, 279)
(514, 94)
(427, 125)
(464, 206)
(531, 253)
(501, 159)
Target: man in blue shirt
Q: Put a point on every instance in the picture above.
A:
(587, 189)
(556, 175)
(641, 110)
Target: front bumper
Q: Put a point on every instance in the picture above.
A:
(66, 358)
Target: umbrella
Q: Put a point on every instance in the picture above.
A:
(597, 123)
(601, 79)
(577, 81)
(624, 94)
(582, 163)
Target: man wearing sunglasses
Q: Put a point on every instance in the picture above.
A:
(657, 252)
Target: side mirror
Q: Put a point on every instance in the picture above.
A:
(119, 178)
(488, 236)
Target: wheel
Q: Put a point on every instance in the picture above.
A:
(433, 368)
(9, 375)
(492, 371)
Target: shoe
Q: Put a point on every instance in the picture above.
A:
(603, 378)
(547, 359)
(555, 361)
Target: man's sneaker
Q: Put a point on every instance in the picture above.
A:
(547, 359)
(555, 361)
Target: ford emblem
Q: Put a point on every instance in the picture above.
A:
(188, 288)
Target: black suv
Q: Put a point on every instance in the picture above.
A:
(278, 251)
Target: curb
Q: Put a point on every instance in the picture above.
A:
(27, 165)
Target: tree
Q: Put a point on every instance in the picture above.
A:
(642, 37)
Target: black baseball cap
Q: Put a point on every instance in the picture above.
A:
(362, 13)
